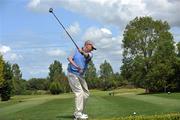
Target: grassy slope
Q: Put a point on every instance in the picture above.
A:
(100, 105)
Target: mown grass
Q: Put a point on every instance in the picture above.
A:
(101, 106)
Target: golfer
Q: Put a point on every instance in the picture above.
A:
(77, 66)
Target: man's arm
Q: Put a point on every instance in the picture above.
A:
(70, 59)
(86, 55)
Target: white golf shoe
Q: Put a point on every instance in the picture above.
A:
(85, 115)
(80, 116)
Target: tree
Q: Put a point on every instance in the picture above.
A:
(1, 71)
(178, 49)
(177, 68)
(17, 75)
(106, 74)
(18, 85)
(55, 88)
(5, 91)
(1, 75)
(57, 75)
(176, 77)
(148, 53)
(37, 84)
(90, 75)
(5, 80)
(7, 85)
(55, 69)
(8, 73)
(118, 80)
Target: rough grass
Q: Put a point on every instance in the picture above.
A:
(172, 116)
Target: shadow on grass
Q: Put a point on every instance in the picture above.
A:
(64, 117)
(154, 93)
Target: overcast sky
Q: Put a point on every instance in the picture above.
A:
(31, 37)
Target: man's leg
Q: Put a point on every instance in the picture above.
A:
(86, 91)
(78, 91)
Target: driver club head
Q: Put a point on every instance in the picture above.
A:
(50, 10)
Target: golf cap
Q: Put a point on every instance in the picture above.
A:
(91, 43)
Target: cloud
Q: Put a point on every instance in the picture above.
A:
(4, 49)
(13, 57)
(104, 30)
(74, 29)
(33, 3)
(94, 33)
(8, 55)
(42, 6)
(56, 52)
(108, 46)
(116, 12)
(102, 37)
(165, 10)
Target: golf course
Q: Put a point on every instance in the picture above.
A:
(89, 60)
(102, 105)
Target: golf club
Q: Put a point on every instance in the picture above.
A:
(51, 11)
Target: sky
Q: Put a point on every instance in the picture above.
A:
(31, 37)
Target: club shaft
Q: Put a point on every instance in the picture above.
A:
(65, 30)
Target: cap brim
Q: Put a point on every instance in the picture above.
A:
(94, 48)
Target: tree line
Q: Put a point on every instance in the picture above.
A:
(12, 83)
(151, 60)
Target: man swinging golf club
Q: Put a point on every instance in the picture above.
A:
(78, 63)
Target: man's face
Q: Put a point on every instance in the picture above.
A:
(89, 47)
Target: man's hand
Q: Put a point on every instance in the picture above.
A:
(80, 70)
(80, 50)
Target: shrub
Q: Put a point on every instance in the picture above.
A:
(5, 91)
(55, 88)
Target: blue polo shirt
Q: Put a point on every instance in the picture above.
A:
(81, 61)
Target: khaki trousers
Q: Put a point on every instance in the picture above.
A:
(80, 89)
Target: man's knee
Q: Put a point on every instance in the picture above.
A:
(83, 94)
(79, 93)
(86, 95)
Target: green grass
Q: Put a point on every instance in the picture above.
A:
(170, 96)
(100, 105)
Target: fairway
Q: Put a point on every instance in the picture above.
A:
(100, 105)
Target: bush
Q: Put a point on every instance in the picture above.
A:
(5, 91)
(55, 88)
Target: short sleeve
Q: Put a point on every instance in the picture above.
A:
(90, 55)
